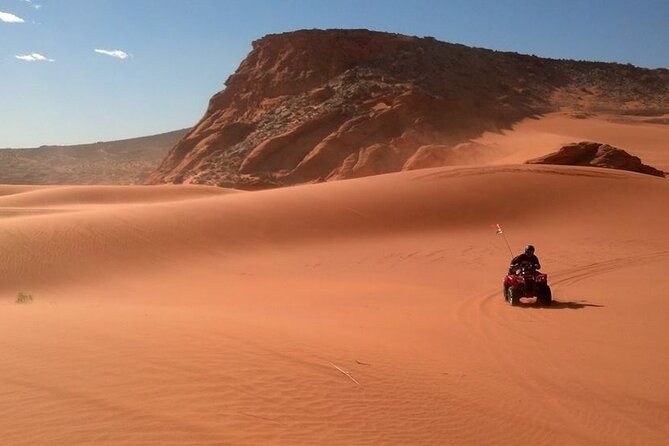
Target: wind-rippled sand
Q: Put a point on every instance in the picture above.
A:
(194, 315)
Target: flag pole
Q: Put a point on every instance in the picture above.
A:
(500, 232)
(508, 246)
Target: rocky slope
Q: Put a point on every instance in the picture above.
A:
(128, 161)
(595, 154)
(317, 105)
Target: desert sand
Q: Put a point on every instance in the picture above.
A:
(365, 311)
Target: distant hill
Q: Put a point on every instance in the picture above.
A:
(127, 161)
(319, 105)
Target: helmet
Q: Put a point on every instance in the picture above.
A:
(529, 249)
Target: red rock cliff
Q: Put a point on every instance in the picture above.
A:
(316, 105)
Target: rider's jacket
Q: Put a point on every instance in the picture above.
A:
(531, 258)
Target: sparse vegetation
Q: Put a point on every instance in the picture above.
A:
(23, 298)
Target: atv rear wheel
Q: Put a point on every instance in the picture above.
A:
(544, 296)
(514, 294)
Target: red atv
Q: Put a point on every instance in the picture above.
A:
(526, 281)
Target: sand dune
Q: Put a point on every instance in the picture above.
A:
(189, 315)
(533, 138)
(54, 196)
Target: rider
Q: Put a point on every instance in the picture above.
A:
(527, 256)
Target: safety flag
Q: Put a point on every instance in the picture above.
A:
(498, 231)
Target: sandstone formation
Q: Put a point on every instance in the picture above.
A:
(597, 155)
(316, 105)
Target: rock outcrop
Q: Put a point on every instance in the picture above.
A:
(317, 105)
(596, 155)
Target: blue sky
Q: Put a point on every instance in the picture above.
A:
(179, 52)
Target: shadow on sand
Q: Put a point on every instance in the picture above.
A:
(558, 305)
(573, 305)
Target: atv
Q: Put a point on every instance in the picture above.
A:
(526, 281)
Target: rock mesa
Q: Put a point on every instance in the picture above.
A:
(317, 105)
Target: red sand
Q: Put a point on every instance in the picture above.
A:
(189, 315)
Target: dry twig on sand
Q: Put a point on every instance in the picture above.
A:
(345, 373)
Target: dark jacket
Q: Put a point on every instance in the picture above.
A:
(531, 258)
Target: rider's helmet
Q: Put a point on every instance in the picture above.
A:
(529, 250)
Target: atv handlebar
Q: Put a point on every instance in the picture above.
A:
(523, 267)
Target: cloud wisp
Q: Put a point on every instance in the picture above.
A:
(34, 5)
(34, 57)
(118, 54)
(10, 18)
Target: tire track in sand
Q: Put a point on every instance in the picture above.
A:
(481, 315)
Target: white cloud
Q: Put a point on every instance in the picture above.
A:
(36, 6)
(10, 18)
(113, 53)
(34, 57)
